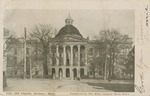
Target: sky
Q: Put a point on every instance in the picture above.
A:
(88, 22)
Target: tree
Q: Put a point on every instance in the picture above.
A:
(94, 62)
(41, 38)
(8, 42)
(9, 39)
(130, 63)
(97, 61)
(115, 42)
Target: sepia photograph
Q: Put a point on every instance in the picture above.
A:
(68, 50)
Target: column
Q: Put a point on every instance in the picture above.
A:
(78, 55)
(78, 72)
(64, 50)
(64, 73)
(71, 46)
(71, 73)
(86, 52)
(57, 56)
(85, 71)
(57, 72)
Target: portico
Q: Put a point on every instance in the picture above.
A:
(70, 58)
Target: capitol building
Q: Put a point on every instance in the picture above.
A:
(69, 58)
(72, 53)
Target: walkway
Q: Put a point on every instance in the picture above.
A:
(47, 85)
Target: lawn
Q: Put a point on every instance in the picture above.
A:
(115, 87)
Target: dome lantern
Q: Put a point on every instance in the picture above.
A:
(69, 20)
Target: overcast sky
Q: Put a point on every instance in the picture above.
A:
(88, 22)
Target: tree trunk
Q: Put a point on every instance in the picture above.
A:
(94, 72)
(4, 80)
(105, 65)
(45, 67)
(110, 67)
(133, 73)
(130, 74)
(104, 69)
(113, 60)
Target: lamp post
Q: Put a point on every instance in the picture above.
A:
(30, 69)
(24, 75)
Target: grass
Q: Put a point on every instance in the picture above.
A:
(115, 87)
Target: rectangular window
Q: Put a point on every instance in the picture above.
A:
(27, 50)
(81, 56)
(67, 56)
(67, 62)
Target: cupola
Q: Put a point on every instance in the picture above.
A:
(69, 20)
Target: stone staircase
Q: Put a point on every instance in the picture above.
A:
(66, 78)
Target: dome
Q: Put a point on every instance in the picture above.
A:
(68, 30)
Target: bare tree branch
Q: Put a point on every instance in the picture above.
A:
(41, 38)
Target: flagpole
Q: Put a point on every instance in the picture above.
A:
(24, 75)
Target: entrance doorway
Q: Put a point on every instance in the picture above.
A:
(60, 73)
(67, 72)
(81, 72)
(74, 73)
(53, 73)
